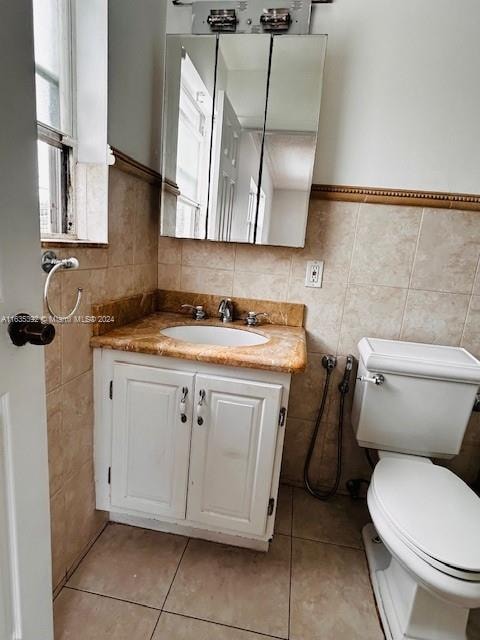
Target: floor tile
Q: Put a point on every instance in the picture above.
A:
(131, 564)
(174, 627)
(85, 616)
(233, 586)
(473, 630)
(331, 594)
(283, 519)
(338, 521)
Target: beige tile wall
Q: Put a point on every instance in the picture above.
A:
(390, 271)
(127, 266)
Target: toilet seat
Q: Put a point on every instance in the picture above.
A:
(434, 513)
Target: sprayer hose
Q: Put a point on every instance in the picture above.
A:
(317, 493)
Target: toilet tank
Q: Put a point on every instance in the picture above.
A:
(413, 398)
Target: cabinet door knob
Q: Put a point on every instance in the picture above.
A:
(183, 404)
(201, 407)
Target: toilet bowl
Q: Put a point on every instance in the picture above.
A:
(412, 402)
(423, 549)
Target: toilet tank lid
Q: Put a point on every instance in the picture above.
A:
(420, 360)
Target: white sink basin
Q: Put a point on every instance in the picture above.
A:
(219, 336)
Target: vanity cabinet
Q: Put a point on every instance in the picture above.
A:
(189, 447)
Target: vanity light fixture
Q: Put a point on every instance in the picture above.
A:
(224, 20)
(276, 20)
(251, 16)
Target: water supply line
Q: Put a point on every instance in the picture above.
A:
(329, 363)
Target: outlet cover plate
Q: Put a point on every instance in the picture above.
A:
(314, 273)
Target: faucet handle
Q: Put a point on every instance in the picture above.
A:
(198, 312)
(252, 318)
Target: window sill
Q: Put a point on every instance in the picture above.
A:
(48, 243)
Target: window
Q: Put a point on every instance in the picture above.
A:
(71, 61)
(193, 150)
(54, 75)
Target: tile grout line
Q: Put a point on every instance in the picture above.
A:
(347, 284)
(469, 306)
(415, 253)
(290, 581)
(410, 280)
(103, 595)
(223, 624)
(79, 560)
(290, 279)
(175, 574)
(354, 244)
(156, 624)
(470, 301)
(292, 489)
(331, 544)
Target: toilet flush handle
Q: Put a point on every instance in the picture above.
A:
(377, 379)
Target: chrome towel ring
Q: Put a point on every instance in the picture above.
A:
(51, 264)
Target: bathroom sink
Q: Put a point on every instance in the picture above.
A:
(219, 336)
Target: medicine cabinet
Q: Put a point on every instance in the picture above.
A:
(240, 129)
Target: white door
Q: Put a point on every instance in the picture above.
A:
(152, 420)
(25, 564)
(225, 171)
(234, 437)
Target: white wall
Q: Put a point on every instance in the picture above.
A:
(401, 98)
(401, 95)
(135, 79)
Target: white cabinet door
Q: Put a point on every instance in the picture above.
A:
(233, 453)
(151, 443)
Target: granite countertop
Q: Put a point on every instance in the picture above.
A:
(285, 350)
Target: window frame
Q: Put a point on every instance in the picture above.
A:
(64, 138)
(67, 172)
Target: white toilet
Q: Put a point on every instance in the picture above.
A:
(413, 402)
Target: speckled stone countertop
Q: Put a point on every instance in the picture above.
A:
(285, 350)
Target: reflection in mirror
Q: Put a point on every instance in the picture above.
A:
(293, 112)
(240, 98)
(187, 127)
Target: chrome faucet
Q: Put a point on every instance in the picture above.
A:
(225, 310)
(198, 312)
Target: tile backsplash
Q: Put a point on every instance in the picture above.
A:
(389, 271)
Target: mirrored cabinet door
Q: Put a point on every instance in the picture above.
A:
(187, 134)
(293, 112)
(239, 118)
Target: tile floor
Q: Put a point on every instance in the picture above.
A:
(313, 584)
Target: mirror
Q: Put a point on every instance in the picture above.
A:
(291, 127)
(239, 136)
(240, 98)
(187, 133)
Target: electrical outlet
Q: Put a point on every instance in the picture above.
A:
(314, 273)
